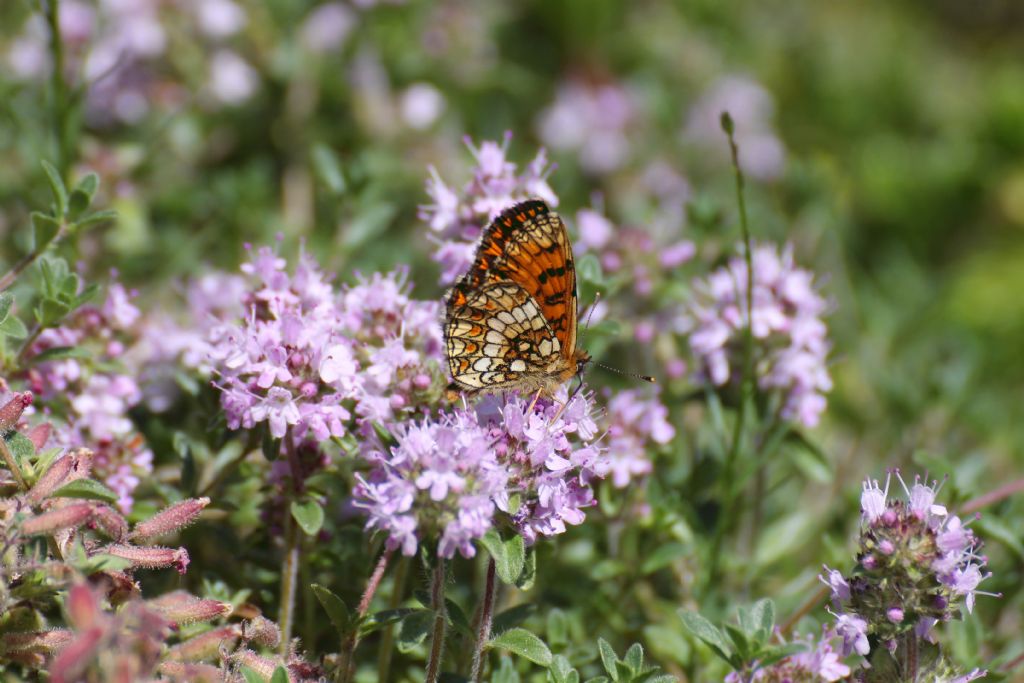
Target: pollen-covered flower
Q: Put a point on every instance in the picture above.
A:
(790, 338)
(915, 565)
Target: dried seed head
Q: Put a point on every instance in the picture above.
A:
(170, 519)
(110, 521)
(40, 434)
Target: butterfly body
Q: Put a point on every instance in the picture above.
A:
(510, 321)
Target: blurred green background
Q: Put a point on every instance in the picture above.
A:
(897, 171)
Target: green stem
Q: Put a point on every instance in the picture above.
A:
(292, 543)
(729, 512)
(483, 630)
(59, 87)
(440, 621)
(387, 638)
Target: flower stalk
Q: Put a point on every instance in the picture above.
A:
(292, 542)
(483, 630)
(440, 621)
(352, 640)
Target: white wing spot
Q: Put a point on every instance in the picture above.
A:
(495, 337)
(517, 366)
(506, 318)
(496, 324)
(482, 364)
(545, 347)
(492, 350)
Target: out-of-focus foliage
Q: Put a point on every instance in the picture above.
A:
(882, 139)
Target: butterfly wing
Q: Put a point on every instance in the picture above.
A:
(496, 337)
(528, 244)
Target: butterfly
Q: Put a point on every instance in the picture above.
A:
(510, 321)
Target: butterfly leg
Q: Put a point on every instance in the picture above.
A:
(533, 402)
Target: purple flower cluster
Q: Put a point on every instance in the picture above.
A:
(307, 358)
(120, 48)
(762, 154)
(635, 422)
(459, 216)
(592, 119)
(531, 464)
(818, 663)
(790, 337)
(93, 395)
(916, 563)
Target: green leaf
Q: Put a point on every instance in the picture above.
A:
(61, 353)
(327, 169)
(101, 562)
(557, 627)
(523, 643)
(707, 632)
(414, 629)
(21, 447)
(663, 556)
(739, 638)
(50, 311)
(280, 675)
(513, 616)
(44, 229)
(457, 618)
(96, 217)
(588, 268)
(60, 193)
(389, 616)
(6, 301)
(608, 658)
(762, 614)
(529, 575)
(81, 196)
(509, 555)
(309, 514)
(336, 610)
(561, 671)
(251, 676)
(992, 527)
(87, 489)
(13, 328)
(634, 658)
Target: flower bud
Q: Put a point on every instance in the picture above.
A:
(69, 517)
(206, 645)
(110, 521)
(182, 607)
(895, 615)
(191, 673)
(44, 642)
(40, 434)
(11, 411)
(151, 558)
(263, 666)
(263, 632)
(51, 480)
(170, 519)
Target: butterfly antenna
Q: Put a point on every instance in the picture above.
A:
(590, 314)
(645, 378)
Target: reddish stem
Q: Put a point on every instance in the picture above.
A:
(984, 500)
(352, 642)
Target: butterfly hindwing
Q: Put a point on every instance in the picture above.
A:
(496, 337)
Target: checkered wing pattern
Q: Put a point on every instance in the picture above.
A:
(521, 288)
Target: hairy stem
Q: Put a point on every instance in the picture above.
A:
(292, 543)
(440, 621)
(729, 512)
(387, 638)
(483, 629)
(352, 641)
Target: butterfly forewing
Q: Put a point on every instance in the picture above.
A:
(521, 287)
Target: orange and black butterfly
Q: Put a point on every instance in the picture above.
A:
(511, 319)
